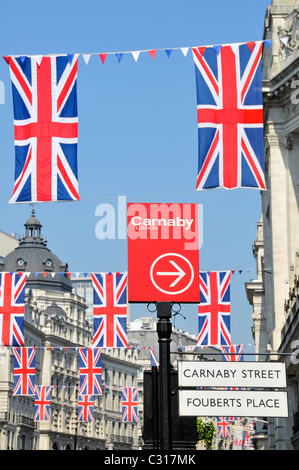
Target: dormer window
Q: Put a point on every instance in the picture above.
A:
(48, 264)
(20, 264)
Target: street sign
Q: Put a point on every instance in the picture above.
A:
(231, 374)
(233, 403)
(163, 252)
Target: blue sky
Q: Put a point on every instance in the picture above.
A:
(137, 128)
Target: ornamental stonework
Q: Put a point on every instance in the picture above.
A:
(288, 34)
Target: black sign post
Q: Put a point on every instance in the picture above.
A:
(164, 328)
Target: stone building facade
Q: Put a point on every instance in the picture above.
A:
(274, 293)
(55, 324)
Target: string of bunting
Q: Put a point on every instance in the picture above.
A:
(135, 54)
(88, 274)
(180, 349)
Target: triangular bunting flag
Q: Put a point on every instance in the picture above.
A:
(103, 57)
(70, 58)
(284, 40)
(38, 59)
(135, 54)
(251, 45)
(201, 50)
(152, 53)
(119, 56)
(86, 58)
(185, 50)
(168, 52)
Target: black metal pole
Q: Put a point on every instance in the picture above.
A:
(164, 329)
(155, 408)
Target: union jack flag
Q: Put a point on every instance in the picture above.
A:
(130, 404)
(24, 371)
(12, 308)
(232, 418)
(248, 436)
(230, 116)
(233, 352)
(110, 310)
(42, 402)
(214, 308)
(90, 370)
(223, 427)
(85, 408)
(45, 128)
(154, 362)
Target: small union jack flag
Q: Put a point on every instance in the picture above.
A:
(130, 404)
(232, 418)
(233, 352)
(214, 308)
(230, 116)
(12, 308)
(223, 427)
(42, 402)
(90, 370)
(110, 310)
(154, 362)
(85, 408)
(248, 436)
(24, 371)
(45, 128)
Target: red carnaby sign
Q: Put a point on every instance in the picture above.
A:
(163, 252)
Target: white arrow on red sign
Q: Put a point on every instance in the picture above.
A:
(179, 273)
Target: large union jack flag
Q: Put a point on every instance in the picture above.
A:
(130, 404)
(42, 402)
(110, 310)
(24, 371)
(230, 116)
(214, 308)
(90, 370)
(85, 408)
(45, 128)
(12, 308)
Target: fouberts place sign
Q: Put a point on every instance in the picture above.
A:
(237, 402)
(233, 403)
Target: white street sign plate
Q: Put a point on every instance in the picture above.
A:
(231, 374)
(233, 403)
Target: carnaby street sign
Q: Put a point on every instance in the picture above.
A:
(231, 374)
(163, 252)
